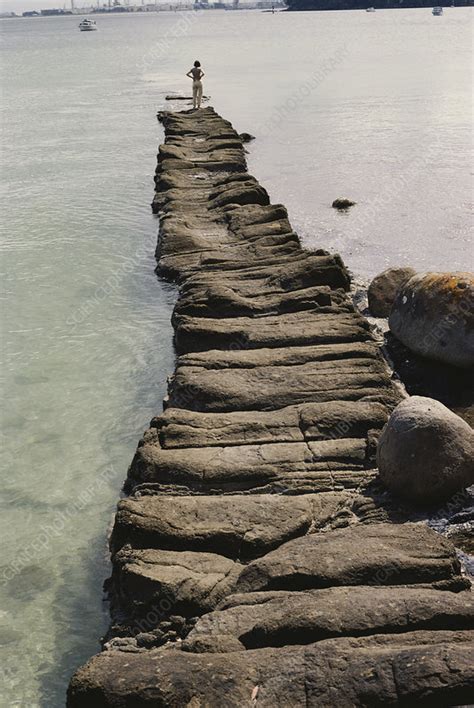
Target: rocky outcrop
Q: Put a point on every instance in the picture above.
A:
(427, 668)
(335, 420)
(327, 464)
(241, 527)
(342, 203)
(181, 555)
(426, 452)
(194, 582)
(256, 559)
(374, 554)
(433, 315)
(383, 289)
(246, 137)
(282, 618)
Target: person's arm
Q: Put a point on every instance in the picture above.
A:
(202, 74)
(189, 74)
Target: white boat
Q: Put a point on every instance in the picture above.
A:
(437, 11)
(370, 9)
(87, 25)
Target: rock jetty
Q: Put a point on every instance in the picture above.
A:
(254, 561)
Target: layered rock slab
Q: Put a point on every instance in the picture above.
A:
(375, 554)
(249, 466)
(275, 387)
(288, 329)
(190, 582)
(233, 525)
(418, 668)
(266, 619)
(237, 526)
(239, 357)
(180, 428)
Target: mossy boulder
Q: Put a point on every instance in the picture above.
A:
(433, 315)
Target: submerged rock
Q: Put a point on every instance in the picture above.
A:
(426, 452)
(172, 97)
(433, 315)
(342, 203)
(384, 288)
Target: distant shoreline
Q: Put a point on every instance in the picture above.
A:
(293, 6)
(124, 11)
(327, 5)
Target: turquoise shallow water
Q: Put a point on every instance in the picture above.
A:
(376, 107)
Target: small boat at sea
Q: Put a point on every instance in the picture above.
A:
(370, 9)
(437, 11)
(87, 25)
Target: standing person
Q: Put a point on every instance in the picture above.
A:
(196, 74)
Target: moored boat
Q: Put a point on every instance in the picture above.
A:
(87, 25)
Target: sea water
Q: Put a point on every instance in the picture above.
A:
(374, 107)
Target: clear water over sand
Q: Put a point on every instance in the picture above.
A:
(376, 107)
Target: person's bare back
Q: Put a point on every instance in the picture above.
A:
(196, 74)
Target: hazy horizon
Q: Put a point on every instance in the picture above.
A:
(20, 6)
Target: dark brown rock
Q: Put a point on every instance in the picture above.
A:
(242, 194)
(272, 387)
(376, 554)
(433, 315)
(232, 526)
(289, 329)
(310, 421)
(241, 358)
(271, 619)
(236, 526)
(245, 467)
(182, 582)
(384, 287)
(426, 452)
(303, 270)
(419, 668)
(342, 203)
(221, 301)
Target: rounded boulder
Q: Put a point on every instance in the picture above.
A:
(384, 288)
(433, 315)
(425, 453)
